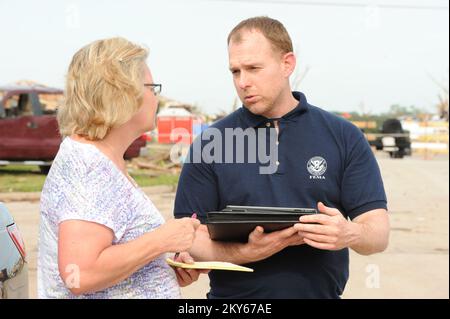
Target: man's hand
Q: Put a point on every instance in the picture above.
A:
(331, 232)
(186, 277)
(263, 245)
(260, 245)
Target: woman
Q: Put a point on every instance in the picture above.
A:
(100, 235)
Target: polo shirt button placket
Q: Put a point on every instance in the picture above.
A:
(278, 149)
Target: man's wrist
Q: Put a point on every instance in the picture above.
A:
(356, 231)
(241, 253)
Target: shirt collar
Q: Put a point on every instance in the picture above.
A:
(253, 120)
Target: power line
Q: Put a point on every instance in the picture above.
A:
(342, 4)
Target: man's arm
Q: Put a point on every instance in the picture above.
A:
(260, 246)
(373, 233)
(367, 234)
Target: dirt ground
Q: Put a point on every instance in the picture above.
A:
(415, 265)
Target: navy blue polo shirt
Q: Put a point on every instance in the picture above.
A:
(321, 157)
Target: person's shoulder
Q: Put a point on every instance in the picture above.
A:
(69, 171)
(229, 121)
(78, 160)
(327, 115)
(216, 131)
(335, 122)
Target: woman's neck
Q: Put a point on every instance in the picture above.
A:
(114, 145)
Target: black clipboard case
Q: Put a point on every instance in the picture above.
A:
(235, 223)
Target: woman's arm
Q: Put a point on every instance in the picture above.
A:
(88, 261)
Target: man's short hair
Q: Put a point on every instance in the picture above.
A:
(272, 29)
(104, 88)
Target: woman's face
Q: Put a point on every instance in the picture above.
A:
(146, 116)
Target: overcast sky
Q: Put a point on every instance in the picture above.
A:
(360, 55)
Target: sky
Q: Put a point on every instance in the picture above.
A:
(361, 58)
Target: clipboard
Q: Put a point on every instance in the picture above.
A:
(213, 265)
(235, 223)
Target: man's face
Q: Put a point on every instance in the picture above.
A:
(259, 73)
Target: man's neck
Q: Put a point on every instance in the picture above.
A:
(284, 104)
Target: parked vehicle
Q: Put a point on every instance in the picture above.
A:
(393, 139)
(13, 264)
(28, 127)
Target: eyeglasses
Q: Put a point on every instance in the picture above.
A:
(156, 88)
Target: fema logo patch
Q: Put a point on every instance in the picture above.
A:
(317, 166)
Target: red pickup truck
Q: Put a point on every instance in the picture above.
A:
(28, 127)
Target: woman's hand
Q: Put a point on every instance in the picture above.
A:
(178, 234)
(186, 277)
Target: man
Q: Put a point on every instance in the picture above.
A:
(322, 161)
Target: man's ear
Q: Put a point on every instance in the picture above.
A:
(289, 63)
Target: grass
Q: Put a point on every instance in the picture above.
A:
(29, 179)
(21, 179)
(144, 180)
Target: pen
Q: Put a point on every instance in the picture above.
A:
(194, 215)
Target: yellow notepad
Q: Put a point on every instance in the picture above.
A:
(215, 265)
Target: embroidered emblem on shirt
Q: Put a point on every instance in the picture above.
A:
(317, 166)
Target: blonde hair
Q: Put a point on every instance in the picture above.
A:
(272, 29)
(104, 88)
